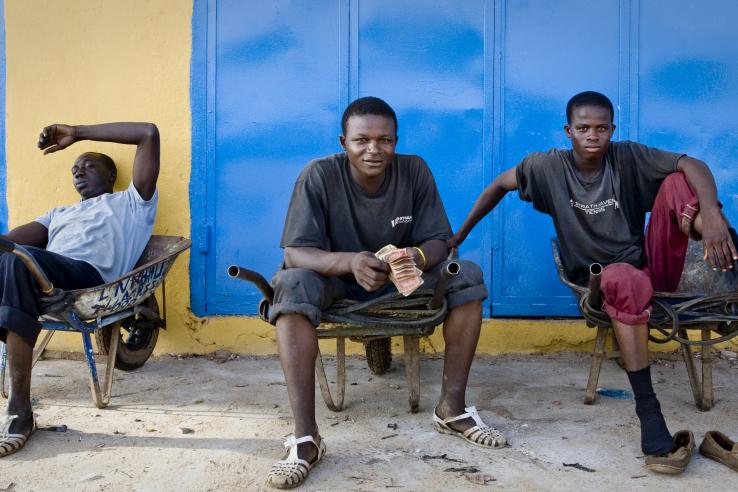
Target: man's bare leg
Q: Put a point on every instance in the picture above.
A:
(460, 333)
(298, 346)
(20, 355)
(633, 340)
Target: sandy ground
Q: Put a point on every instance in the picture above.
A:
(238, 414)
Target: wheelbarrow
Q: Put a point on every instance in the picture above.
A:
(372, 323)
(124, 314)
(705, 300)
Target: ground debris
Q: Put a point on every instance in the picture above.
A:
(54, 428)
(91, 478)
(389, 436)
(479, 478)
(463, 469)
(186, 430)
(443, 457)
(579, 466)
(9, 486)
(222, 356)
(392, 426)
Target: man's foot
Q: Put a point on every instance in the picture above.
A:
(655, 436)
(468, 426)
(676, 461)
(294, 469)
(14, 433)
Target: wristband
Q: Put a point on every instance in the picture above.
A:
(422, 255)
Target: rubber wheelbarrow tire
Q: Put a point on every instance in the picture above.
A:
(379, 355)
(135, 349)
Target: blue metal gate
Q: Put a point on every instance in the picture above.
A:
(476, 84)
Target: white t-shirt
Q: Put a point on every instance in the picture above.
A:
(109, 231)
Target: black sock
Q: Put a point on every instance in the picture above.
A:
(655, 436)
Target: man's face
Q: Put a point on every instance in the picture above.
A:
(91, 177)
(369, 142)
(590, 131)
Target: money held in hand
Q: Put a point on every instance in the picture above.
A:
(403, 272)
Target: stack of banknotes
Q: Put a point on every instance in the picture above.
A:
(403, 272)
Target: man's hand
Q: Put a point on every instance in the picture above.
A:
(370, 272)
(456, 240)
(718, 245)
(56, 137)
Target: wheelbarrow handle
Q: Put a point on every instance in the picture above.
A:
(6, 246)
(451, 269)
(235, 271)
(38, 274)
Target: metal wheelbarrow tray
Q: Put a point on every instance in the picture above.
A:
(128, 301)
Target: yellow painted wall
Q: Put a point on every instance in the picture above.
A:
(86, 61)
(89, 61)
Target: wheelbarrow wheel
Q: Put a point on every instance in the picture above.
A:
(137, 338)
(379, 355)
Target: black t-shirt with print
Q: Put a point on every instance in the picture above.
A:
(328, 210)
(600, 218)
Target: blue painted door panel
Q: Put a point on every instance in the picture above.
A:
(276, 104)
(3, 187)
(477, 84)
(544, 62)
(688, 86)
(431, 71)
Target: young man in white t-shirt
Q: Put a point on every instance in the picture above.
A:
(82, 245)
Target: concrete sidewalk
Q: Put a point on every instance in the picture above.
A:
(238, 414)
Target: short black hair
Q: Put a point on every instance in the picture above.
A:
(367, 105)
(105, 159)
(589, 98)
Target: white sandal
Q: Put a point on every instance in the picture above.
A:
(292, 471)
(479, 435)
(10, 443)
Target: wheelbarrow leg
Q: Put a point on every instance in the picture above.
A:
(694, 383)
(3, 365)
(412, 369)
(39, 350)
(708, 395)
(101, 398)
(325, 389)
(598, 355)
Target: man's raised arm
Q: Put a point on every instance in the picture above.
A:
(718, 246)
(144, 135)
(488, 200)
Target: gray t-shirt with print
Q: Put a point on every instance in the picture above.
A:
(109, 231)
(599, 218)
(330, 211)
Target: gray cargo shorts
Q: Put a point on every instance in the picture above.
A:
(303, 291)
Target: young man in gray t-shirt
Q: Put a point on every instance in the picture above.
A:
(598, 194)
(82, 245)
(344, 208)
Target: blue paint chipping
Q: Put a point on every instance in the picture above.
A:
(477, 85)
(3, 167)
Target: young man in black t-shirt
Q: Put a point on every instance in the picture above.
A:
(345, 207)
(598, 194)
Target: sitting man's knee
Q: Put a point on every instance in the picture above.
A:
(467, 285)
(297, 291)
(627, 293)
